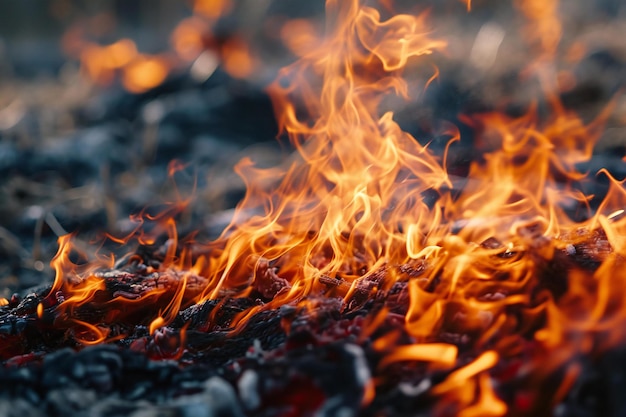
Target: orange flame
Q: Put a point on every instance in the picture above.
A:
(144, 73)
(212, 9)
(139, 71)
(544, 25)
(100, 62)
(354, 208)
(237, 59)
(299, 35)
(188, 38)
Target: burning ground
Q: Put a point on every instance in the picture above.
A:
(473, 271)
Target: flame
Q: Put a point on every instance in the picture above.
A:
(543, 28)
(357, 208)
(212, 9)
(188, 38)
(237, 59)
(344, 198)
(100, 62)
(299, 35)
(138, 72)
(144, 73)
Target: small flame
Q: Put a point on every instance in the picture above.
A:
(300, 36)
(144, 73)
(188, 38)
(438, 353)
(100, 62)
(139, 72)
(542, 31)
(212, 9)
(237, 59)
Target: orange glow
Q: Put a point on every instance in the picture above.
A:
(187, 38)
(566, 81)
(212, 9)
(144, 73)
(439, 353)
(460, 376)
(88, 334)
(488, 405)
(237, 59)
(543, 28)
(474, 262)
(139, 72)
(100, 62)
(299, 35)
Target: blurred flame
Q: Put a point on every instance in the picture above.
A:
(299, 35)
(237, 59)
(212, 9)
(140, 72)
(104, 64)
(100, 62)
(542, 31)
(188, 38)
(144, 73)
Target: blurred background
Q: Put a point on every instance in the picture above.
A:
(98, 97)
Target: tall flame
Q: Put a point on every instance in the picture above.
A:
(346, 207)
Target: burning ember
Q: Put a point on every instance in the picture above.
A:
(368, 275)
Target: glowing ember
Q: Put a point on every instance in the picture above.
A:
(144, 73)
(350, 219)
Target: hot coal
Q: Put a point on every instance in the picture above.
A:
(283, 361)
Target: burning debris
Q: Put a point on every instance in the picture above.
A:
(364, 277)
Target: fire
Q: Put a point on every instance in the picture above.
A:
(138, 71)
(357, 210)
(544, 26)
(100, 62)
(188, 38)
(212, 9)
(299, 35)
(237, 59)
(144, 73)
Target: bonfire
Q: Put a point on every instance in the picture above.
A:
(364, 276)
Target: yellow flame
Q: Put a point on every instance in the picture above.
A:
(352, 207)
